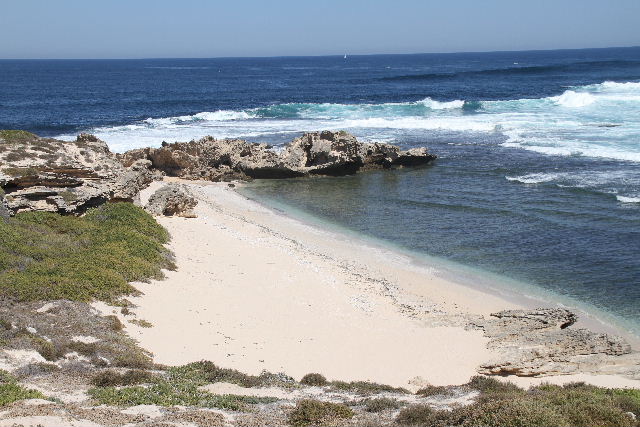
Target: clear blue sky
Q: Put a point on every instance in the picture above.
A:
(201, 28)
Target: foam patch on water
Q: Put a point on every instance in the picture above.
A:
(621, 183)
(533, 178)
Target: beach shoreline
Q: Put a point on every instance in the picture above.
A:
(256, 289)
(511, 290)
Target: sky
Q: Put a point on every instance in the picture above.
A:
(210, 28)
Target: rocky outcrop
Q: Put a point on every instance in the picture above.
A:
(316, 153)
(172, 200)
(541, 342)
(65, 176)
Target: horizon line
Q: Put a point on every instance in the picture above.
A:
(316, 56)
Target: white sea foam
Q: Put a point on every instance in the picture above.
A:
(574, 123)
(574, 99)
(626, 199)
(533, 178)
(437, 105)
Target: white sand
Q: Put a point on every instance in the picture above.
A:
(257, 290)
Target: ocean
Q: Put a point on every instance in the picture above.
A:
(538, 175)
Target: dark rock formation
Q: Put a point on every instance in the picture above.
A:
(172, 200)
(67, 177)
(541, 342)
(317, 153)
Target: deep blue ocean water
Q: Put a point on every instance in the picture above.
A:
(538, 176)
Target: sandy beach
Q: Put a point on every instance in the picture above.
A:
(256, 290)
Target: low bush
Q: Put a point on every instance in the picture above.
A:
(179, 387)
(13, 136)
(491, 385)
(545, 405)
(434, 390)
(314, 412)
(134, 376)
(10, 391)
(205, 372)
(314, 380)
(47, 256)
(366, 387)
(381, 404)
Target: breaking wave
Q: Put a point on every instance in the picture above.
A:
(599, 120)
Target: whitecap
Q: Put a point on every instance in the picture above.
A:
(440, 105)
(574, 99)
(533, 178)
(627, 199)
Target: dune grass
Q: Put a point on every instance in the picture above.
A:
(47, 256)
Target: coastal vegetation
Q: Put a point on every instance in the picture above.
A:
(315, 412)
(47, 256)
(178, 386)
(11, 391)
(504, 404)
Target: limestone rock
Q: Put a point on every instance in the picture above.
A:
(541, 342)
(314, 153)
(4, 207)
(172, 200)
(64, 176)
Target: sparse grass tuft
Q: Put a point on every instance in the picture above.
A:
(46, 256)
(314, 380)
(314, 412)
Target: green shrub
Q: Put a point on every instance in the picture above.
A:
(6, 377)
(314, 380)
(314, 412)
(381, 404)
(11, 392)
(46, 256)
(180, 387)
(205, 372)
(130, 377)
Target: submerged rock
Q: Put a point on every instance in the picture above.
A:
(172, 200)
(64, 176)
